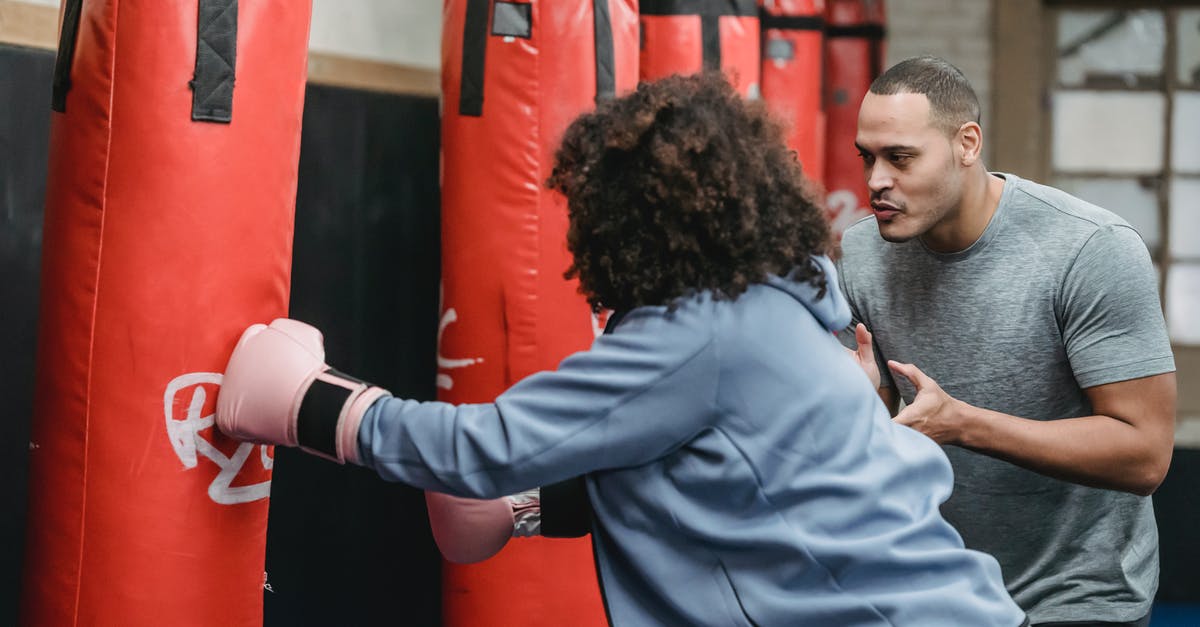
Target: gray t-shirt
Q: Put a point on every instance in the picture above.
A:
(1057, 295)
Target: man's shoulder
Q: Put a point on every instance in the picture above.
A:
(1067, 227)
(1064, 212)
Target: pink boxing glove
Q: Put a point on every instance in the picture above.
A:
(277, 389)
(472, 530)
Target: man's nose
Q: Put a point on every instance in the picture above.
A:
(879, 178)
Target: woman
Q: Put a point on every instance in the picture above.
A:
(739, 465)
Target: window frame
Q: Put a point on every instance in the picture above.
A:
(1021, 77)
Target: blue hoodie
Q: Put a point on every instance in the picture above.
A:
(741, 469)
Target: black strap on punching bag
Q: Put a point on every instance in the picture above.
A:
(874, 33)
(216, 53)
(474, 47)
(513, 19)
(66, 55)
(606, 81)
(791, 22)
(781, 49)
(710, 41)
(710, 12)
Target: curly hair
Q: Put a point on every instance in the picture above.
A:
(682, 187)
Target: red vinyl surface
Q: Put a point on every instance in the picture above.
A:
(507, 311)
(672, 44)
(792, 87)
(851, 63)
(163, 239)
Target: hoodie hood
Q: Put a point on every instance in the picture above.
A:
(831, 310)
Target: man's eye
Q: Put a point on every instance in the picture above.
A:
(900, 158)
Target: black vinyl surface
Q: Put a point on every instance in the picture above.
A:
(343, 546)
(25, 77)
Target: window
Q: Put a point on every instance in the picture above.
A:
(1125, 133)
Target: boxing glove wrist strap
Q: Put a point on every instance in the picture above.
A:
(330, 414)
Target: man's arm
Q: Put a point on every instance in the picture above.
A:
(864, 356)
(1126, 445)
(889, 398)
(1115, 338)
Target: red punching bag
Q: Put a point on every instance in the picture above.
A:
(792, 68)
(168, 230)
(688, 36)
(514, 75)
(853, 58)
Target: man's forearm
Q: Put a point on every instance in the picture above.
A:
(889, 398)
(1099, 451)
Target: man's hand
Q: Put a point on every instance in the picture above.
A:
(865, 355)
(932, 412)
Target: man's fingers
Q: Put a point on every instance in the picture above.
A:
(863, 337)
(910, 372)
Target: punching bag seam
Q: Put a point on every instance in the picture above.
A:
(87, 417)
(534, 276)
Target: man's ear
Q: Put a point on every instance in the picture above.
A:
(968, 143)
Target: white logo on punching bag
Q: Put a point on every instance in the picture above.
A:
(843, 209)
(445, 363)
(444, 380)
(184, 433)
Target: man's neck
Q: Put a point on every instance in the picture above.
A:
(967, 222)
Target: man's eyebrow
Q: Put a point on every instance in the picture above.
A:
(889, 148)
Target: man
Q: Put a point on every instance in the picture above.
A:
(740, 468)
(1026, 332)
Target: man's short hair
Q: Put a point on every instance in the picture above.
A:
(952, 100)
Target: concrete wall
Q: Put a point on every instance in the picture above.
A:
(959, 31)
(407, 32)
(377, 45)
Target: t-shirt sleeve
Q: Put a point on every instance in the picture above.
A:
(1112, 321)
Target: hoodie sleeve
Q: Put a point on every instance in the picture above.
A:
(635, 396)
